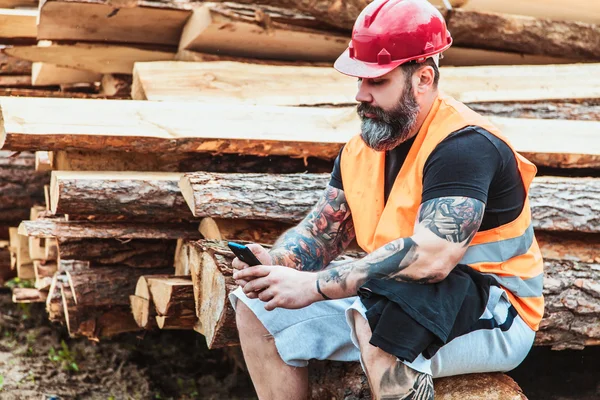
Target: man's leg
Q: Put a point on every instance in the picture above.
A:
(267, 369)
(388, 377)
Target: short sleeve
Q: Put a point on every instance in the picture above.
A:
(336, 173)
(464, 164)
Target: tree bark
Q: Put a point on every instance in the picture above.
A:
(107, 286)
(524, 34)
(558, 204)
(563, 204)
(14, 66)
(484, 30)
(96, 322)
(183, 162)
(152, 197)
(108, 230)
(185, 322)
(173, 296)
(570, 288)
(210, 267)
(140, 253)
(586, 110)
(21, 187)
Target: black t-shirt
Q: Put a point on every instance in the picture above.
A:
(470, 162)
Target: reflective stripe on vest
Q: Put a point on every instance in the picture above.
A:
(502, 251)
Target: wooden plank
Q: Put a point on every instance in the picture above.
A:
(97, 58)
(291, 85)
(144, 126)
(575, 10)
(15, 80)
(107, 230)
(43, 74)
(18, 24)
(249, 31)
(148, 22)
(19, 3)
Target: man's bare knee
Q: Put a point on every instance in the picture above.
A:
(247, 322)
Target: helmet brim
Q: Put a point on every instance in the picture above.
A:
(352, 67)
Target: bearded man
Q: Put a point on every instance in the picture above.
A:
(452, 282)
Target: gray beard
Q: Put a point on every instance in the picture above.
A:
(391, 128)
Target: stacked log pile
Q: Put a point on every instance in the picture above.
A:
(226, 128)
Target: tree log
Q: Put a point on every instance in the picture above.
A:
(173, 296)
(245, 30)
(210, 267)
(586, 110)
(484, 30)
(95, 322)
(186, 322)
(563, 204)
(21, 187)
(240, 83)
(153, 22)
(570, 288)
(14, 66)
(54, 305)
(28, 295)
(558, 204)
(6, 272)
(152, 197)
(155, 127)
(141, 309)
(44, 272)
(99, 58)
(108, 230)
(141, 253)
(116, 85)
(107, 286)
(256, 231)
(183, 162)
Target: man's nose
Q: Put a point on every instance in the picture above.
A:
(363, 95)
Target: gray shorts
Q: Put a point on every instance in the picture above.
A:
(324, 331)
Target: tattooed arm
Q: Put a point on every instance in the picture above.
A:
(322, 236)
(444, 229)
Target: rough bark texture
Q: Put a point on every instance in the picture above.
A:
(107, 286)
(244, 230)
(183, 162)
(275, 197)
(478, 386)
(14, 66)
(187, 322)
(6, 272)
(95, 323)
(587, 110)
(108, 230)
(210, 267)
(476, 29)
(138, 253)
(558, 204)
(571, 291)
(562, 204)
(20, 186)
(572, 309)
(525, 34)
(151, 197)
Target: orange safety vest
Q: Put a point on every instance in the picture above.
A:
(510, 252)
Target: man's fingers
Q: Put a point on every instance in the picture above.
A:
(256, 285)
(266, 295)
(241, 282)
(251, 273)
(271, 305)
(238, 264)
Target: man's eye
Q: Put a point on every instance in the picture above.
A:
(376, 83)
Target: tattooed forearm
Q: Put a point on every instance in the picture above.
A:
(323, 235)
(387, 262)
(455, 219)
(445, 228)
(403, 383)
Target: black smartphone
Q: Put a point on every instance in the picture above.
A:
(244, 253)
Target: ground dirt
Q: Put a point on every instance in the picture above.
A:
(38, 360)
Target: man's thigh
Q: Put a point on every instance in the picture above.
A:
(319, 331)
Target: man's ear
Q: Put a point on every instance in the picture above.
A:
(424, 79)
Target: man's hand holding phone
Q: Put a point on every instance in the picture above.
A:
(261, 254)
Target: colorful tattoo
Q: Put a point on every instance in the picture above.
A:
(454, 219)
(322, 236)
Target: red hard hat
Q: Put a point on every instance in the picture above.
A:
(388, 33)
